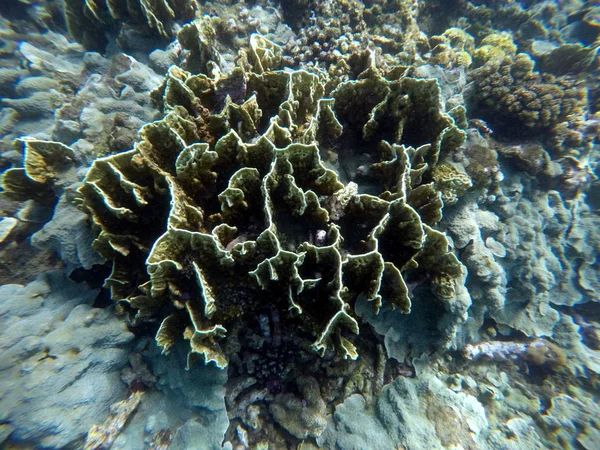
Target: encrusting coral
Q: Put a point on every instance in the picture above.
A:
(278, 210)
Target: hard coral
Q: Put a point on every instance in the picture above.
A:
(452, 48)
(228, 217)
(87, 21)
(526, 98)
(494, 46)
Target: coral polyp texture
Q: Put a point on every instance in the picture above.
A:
(284, 203)
(525, 98)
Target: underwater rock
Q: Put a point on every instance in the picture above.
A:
(569, 58)
(573, 421)
(7, 224)
(180, 409)
(410, 413)
(302, 416)
(53, 340)
(68, 233)
(65, 94)
(579, 337)
(516, 434)
(507, 283)
(103, 436)
(199, 390)
(52, 68)
(531, 158)
(538, 353)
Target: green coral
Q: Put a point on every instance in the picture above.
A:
(87, 20)
(226, 207)
(44, 164)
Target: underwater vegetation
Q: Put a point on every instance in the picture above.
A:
(299, 225)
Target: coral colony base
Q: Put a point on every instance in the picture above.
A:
(299, 225)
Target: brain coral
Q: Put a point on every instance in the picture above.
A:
(277, 212)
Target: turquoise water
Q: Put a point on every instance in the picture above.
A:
(299, 225)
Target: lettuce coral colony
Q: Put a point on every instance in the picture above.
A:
(282, 208)
(307, 216)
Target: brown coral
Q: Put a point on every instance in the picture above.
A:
(523, 97)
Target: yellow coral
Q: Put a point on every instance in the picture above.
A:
(453, 48)
(451, 182)
(459, 39)
(495, 46)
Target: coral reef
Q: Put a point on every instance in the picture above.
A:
(525, 98)
(410, 413)
(88, 21)
(258, 185)
(62, 93)
(223, 203)
(494, 47)
(292, 198)
(452, 48)
(506, 281)
(574, 420)
(67, 96)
